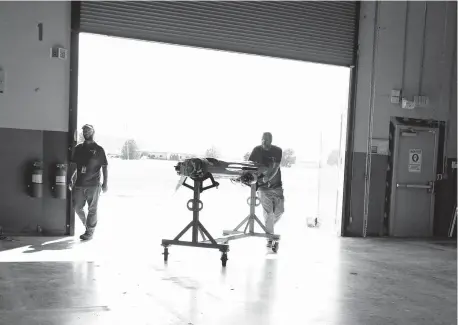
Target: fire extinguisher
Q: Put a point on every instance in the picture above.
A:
(37, 180)
(60, 184)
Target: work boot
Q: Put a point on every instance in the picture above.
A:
(87, 235)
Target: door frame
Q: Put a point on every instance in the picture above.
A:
(350, 133)
(340, 203)
(73, 105)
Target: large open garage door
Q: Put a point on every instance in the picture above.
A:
(308, 31)
(317, 32)
(321, 32)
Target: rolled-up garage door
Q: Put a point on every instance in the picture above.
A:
(322, 32)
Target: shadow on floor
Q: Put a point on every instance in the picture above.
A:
(68, 243)
(450, 244)
(37, 244)
(13, 242)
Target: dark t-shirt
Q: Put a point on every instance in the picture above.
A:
(89, 159)
(267, 158)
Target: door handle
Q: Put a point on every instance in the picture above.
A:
(429, 187)
(413, 186)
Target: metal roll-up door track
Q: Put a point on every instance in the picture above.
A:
(322, 32)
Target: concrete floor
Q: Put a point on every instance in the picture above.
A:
(317, 280)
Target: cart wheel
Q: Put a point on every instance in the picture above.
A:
(166, 254)
(224, 259)
(275, 246)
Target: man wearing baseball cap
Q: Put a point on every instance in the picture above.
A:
(88, 160)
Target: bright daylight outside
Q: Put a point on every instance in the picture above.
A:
(154, 104)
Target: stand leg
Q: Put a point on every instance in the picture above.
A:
(241, 224)
(253, 205)
(210, 238)
(195, 212)
(183, 231)
(202, 234)
(260, 224)
(246, 227)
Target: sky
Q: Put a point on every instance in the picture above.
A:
(185, 99)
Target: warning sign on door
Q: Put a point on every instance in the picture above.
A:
(415, 160)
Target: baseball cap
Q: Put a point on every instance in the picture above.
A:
(89, 126)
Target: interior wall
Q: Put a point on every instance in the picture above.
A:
(34, 114)
(407, 46)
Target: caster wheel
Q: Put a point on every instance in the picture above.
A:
(224, 259)
(166, 254)
(275, 246)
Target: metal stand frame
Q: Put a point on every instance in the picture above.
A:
(249, 222)
(196, 226)
(221, 242)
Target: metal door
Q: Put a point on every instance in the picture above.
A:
(414, 174)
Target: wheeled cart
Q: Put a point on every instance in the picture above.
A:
(199, 170)
(196, 205)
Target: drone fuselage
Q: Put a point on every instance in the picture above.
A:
(244, 172)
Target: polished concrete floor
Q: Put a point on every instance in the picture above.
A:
(314, 279)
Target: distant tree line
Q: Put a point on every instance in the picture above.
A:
(130, 151)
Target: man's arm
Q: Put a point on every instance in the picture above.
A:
(273, 167)
(72, 173)
(105, 177)
(72, 170)
(104, 171)
(271, 172)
